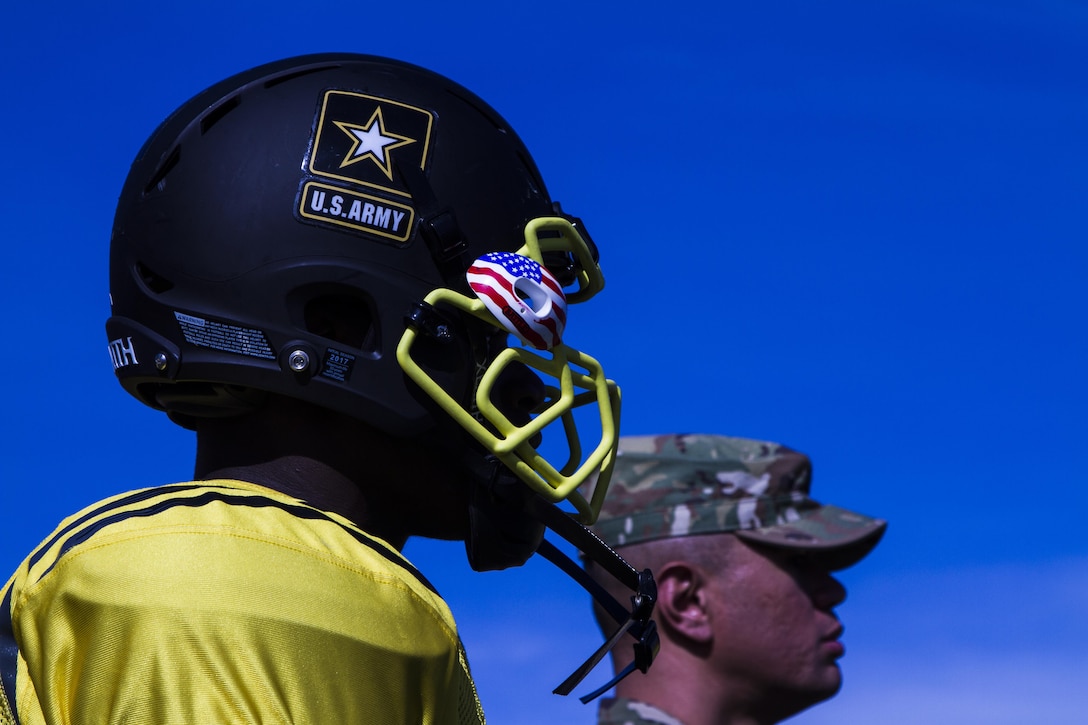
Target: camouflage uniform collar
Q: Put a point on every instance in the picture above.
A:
(624, 711)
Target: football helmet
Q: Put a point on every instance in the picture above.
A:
(357, 183)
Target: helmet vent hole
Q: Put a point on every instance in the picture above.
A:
(155, 282)
(343, 318)
(218, 113)
(158, 179)
(297, 74)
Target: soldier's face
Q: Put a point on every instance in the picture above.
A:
(776, 634)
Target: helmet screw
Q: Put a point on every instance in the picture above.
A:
(298, 360)
(442, 332)
(160, 362)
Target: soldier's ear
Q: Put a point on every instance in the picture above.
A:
(682, 609)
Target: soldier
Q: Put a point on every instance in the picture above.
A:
(743, 560)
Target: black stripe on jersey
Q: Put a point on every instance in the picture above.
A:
(231, 499)
(9, 655)
(136, 497)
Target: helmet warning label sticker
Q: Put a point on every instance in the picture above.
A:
(223, 336)
(385, 218)
(360, 141)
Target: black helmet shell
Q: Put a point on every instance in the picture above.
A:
(321, 187)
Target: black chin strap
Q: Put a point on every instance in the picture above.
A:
(634, 621)
(507, 523)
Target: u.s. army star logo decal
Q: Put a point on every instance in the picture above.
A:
(372, 142)
(359, 142)
(361, 139)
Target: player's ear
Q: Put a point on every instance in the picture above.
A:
(682, 602)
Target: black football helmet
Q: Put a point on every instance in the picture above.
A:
(344, 186)
(340, 182)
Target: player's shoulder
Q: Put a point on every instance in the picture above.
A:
(225, 527)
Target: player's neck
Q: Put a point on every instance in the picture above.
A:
(319, 485)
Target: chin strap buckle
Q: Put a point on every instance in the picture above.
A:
(634, 621)
(639, 625)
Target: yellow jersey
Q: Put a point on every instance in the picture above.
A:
(225, 602)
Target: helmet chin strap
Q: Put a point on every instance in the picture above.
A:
(506, 527)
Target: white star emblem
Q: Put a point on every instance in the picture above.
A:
(373, 142)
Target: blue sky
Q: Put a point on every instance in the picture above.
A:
(856, 228)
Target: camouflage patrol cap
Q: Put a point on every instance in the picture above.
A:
(680, 485)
